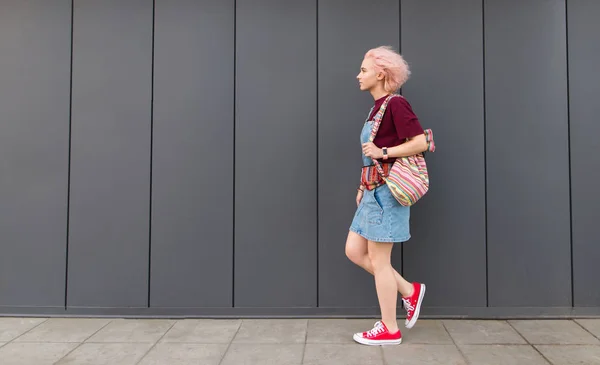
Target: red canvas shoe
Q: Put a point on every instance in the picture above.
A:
(413, 305)
(379, 335)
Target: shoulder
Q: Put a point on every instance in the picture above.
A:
(399, 101)
(399, 105)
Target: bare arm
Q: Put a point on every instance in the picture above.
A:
(414, 145)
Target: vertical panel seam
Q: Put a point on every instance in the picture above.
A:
(400, 51)
(234, 152)
(485, 185)
(569, 154)
(151, 154)
(317, 137)
(69, 160)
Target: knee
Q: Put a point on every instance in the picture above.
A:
(378, 262)
(354, 254)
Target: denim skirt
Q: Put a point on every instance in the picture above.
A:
(380, 218)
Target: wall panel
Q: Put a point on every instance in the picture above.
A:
(275, 154)
(584, 88)
(110, 161)
(35, 43)
(529, 257)
(192, 160)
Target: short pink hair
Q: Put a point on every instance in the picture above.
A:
(393, 66)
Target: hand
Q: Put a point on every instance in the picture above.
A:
(370, 150)
(359, 197)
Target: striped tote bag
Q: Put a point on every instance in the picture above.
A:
(408, 179)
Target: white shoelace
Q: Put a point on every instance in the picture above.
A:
(376, 330)
(407, 305)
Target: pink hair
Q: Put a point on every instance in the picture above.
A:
(393, 66)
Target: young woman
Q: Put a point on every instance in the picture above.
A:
(380, 220)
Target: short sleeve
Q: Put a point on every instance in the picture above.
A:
(406, 122)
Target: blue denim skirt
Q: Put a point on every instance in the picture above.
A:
(380, 218)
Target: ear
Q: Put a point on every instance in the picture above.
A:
(380, 76)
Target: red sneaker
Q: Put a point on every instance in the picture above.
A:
(379, 335)
(413, 305)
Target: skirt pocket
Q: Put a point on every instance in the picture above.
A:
(374, 210)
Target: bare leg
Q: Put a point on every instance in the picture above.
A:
(357, 252)
(385, 282)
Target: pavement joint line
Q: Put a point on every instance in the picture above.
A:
(82, 342)
(305, 341)
(156, 343)
(585, 329)
(26, 332)
(529, 343)
(230, 342)
(456, 345)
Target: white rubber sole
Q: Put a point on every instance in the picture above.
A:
(411, 323)
(368, 342)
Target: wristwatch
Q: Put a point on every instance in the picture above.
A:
(385, 154)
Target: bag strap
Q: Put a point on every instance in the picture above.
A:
(376, 123)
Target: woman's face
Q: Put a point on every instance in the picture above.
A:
(367, 77)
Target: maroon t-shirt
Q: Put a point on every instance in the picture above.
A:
(399, 122)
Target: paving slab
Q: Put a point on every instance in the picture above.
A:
(407, 354)
(133, 330)
(554, 332)
(276, 331)
(342, 354)
(106, 354)
(185, 354)
(64, 330)
(468, 332)
(502, 354)
(428, 332)
(264, 354)
(209, 331)
(30, 353)
(338, 331)
(571, 354)
(11, 328)
(592, 325)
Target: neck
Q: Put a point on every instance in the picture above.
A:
(378, 92)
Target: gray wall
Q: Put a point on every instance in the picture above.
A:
(200, 158)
